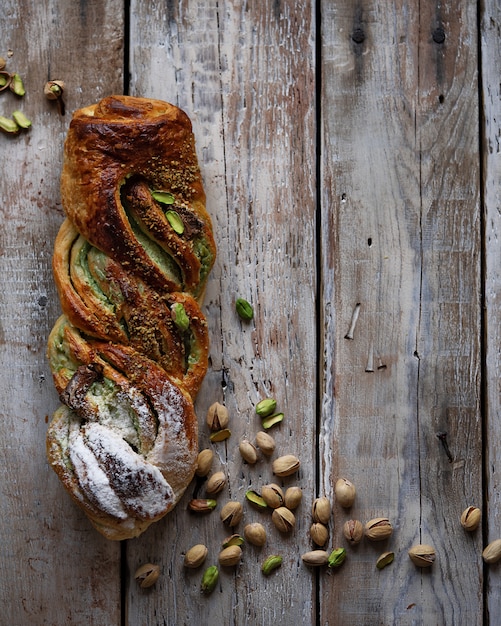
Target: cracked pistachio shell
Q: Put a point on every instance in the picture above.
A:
(265, 443)
(470, 518)
(272, 495)
(248, 452)
(353, 531)
(216, 483)
(378, 529)
(345, 492)
(217, 416)
(293, 497)
(230, 556)
(315, 558)
(195, 556)
(492, 553)
(147, 575)
(283, 519)
(204, 462)
(286, 465)
(319, 533)
(422, 555)
(321, 510)
(231, 513)
(255, 534)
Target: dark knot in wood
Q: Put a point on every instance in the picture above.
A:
(438, 35)
(358, 35)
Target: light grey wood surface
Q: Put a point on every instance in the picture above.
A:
(350, 159)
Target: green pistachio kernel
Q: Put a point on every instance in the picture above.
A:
(337, 557)
(21, 120)
(164, 197)
(17, 85)
(209, 579)
(256, 499)
(178, 313)
(244, 309)
(271, 564)
(265, 407)
(175, 221)
(270, 421)
(220, 435)
(8, 125)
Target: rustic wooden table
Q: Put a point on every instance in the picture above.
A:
(351, 158)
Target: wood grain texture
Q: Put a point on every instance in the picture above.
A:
(52, 562)
(245, 76)
(401, 238)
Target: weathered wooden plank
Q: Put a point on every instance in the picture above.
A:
(491, 99)
(54, 568)
(400, 237)
(244, 74)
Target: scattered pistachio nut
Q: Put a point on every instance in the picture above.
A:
(53, 89)
(220, 435)
(315, 558)
(321, 510)
(216, 483)
(202, 505)
(378, 529)
(265, 443)
(492, 553)
(231, 513)
(147, 575)
(5, 79)
(209, 579)
(271, 564)
(16, 85)
(233, 540)
(266, 407)
(255, 499)
(3, 63)
(179, 316)
(345, 492)
(8, 125)
(175, 221)
(353, 531)
(293, 497)
(272, 420)
(21, 120)
(422, 555)
(286, 465)
(319, 533)
(273, 495)
(217, 417)
(248, 451)
(230, 556)
(284, 519)
(470, 518)
(255, 534)
(385, 559)
(244, 309)
(336, 557)
(204, 462)
(195, 556)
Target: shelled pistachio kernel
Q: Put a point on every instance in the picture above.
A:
(470, 518)
(3, 63)
(345, 492)
(217, 416)
(315, 558)
(21, 120)
(244, 309)
(255, 534)
(231, 513)
(272, 495)
(283, 519)
(265, 407)
(337, 557)
(378, 529)
(265, 443)
(319, 533)
(255, 499)
(8, 125)
(492, 553)
(247, 451)
(147, 575)
(293, 497)
(209, 579)
(385, 559)
(422, 555)
(216, 483)
(17, 85)
(220, 435)
(272, 420)
(204, 462)
(353, 531)
(286, 465)
(271, 563)
(321, 510)
(230, 556)
(195, 556)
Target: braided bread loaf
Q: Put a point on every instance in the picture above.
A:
(130, 351)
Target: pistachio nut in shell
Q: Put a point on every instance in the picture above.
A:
(422, 555)
(273, 495)
(231, 513)
(230, 556)
(283, 519)
(345, 492)
(319, 533)
(255, 533)
(293, 497)
(248, 451)
(321, 510)
(265, 443)
(378, 529)
(353, 531)
(470, 518)
(147, 575)
(286, 465)
(315, 558)
(195, 556)
(217, 416)
(216, 483)
(233, 540)
(204, 462)
(492, 553)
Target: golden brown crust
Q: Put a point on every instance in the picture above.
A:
(130, 351)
